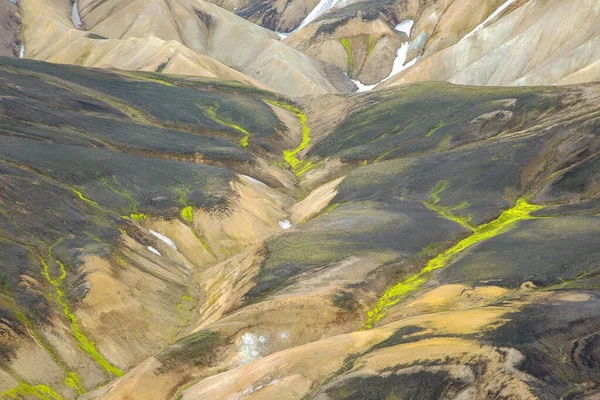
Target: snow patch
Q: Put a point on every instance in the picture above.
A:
(14, 1)
(22, 51)
(321, 8)
(405, 26)
(400, 61)
(254, 180)
(488, 19)
(152, 249)
(398, 66)
(364, 88)
(285, 224)
(75, 17)
(164, 239)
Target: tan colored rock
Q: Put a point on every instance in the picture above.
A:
(539, 43)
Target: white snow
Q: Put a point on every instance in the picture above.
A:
(75, 17)
(164, 239)
(321, 8)
(254, 180)
(488, 19)
(400, 60)
(364, 88)
(405, 26)
(285, 224)
(152, 249)
(15, 1)
(22, 51)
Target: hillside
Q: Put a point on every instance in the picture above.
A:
(182, 237)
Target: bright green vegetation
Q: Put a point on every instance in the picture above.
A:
(506, 221)
(346, 43)
(298, 166)
(82, 197)
(86, 344)
(139, 217)
(188, 214)
(372, 42)
(212, 114)
(446, 211)
(25, 390)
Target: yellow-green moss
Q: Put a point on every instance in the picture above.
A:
(25, 390)
(139, 217)
(446, 211)
(84, 343)
(188, 214)
(521, 211)
(298, 166)
(82, 197)
(212, 114)
(372, 42)
(346, 43)
(72, 379)
(435, 192)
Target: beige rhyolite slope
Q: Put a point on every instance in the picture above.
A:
(539, 42)
(49, 35)
(183, 37)
(361, 39)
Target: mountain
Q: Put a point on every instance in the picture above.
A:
(259, 199)
(187, 37)
(166, 237)
(560, 43)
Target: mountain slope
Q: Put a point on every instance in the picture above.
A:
(178, 37)
(165, 236)
(560, 44)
